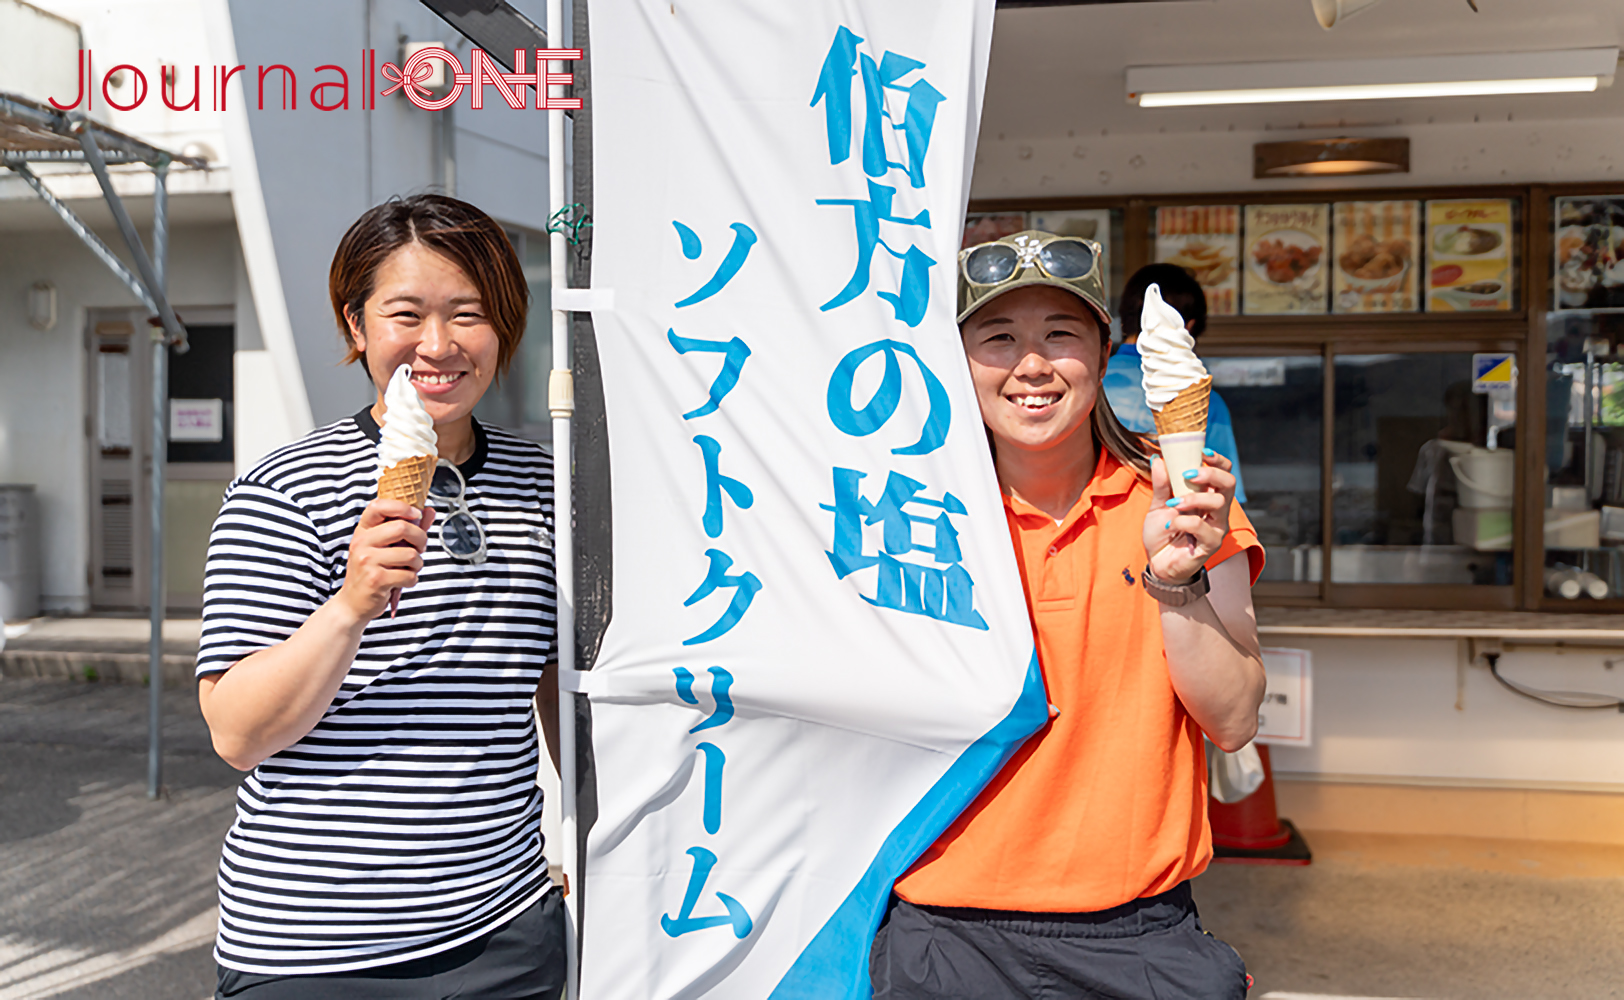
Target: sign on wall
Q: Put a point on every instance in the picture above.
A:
(1378, 262)
(1286, 250)
(1469, 255)
(197, 419)
(819, 650)
(1206, 241)
(1286, 717)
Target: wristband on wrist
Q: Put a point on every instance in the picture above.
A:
(1175, 595)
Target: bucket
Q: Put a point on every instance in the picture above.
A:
(1484, 478)
(19, 553)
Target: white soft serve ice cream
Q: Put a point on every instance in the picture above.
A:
(1166, 351)
(407, 430)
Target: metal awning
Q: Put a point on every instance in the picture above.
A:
(40, 132)
(31, 132)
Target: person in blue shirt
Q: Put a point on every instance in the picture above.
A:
(1123, 375)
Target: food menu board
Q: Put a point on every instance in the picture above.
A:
(988, 226)
(1206, 241)
(1589, 253)
(1469, 255)
(1377, 267)
(1285, 268)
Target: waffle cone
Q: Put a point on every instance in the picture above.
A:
(407, 480)
(1187, 411)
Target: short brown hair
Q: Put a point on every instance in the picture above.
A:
(454, 229)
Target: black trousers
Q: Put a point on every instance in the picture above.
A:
(1148, 949)
(521, 960)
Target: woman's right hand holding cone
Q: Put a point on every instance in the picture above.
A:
(386, 553)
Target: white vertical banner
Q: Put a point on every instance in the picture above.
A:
(819, 651)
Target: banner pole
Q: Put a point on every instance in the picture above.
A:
(561, 403)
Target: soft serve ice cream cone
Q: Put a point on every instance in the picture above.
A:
(407, 449)
(1177, 387)
(407, 445)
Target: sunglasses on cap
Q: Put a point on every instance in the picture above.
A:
(990, 270)
(1064, 257)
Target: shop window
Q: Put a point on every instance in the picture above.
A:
(1584, 458)
(1275, 405)
(1423, 473)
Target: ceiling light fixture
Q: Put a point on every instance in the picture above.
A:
(1568, 71)
(1319, 157)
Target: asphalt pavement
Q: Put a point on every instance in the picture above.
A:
(104, 893)
(107, 895)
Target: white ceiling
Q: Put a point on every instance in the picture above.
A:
(1058, 71)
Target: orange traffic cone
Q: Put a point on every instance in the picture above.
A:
(1251, 831)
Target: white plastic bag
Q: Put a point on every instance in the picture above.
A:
(1233, 776)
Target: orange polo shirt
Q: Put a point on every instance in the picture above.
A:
(1108, 802)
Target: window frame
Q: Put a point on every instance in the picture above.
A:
(1522, 330)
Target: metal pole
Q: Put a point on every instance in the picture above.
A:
(561, 403)
(82, 231)
(160, 455)
(143, 264)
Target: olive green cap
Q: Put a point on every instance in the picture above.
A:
(1027, 245)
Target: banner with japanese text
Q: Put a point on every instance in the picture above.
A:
(819, 651)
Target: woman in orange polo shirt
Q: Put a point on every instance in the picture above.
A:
(1069, 876)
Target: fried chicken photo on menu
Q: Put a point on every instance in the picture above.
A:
(1285, 262)
(1366, 258)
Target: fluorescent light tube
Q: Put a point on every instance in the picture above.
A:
(1370, 92)
(1575, 71)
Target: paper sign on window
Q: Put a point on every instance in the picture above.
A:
(1287, 715)
(197, 420)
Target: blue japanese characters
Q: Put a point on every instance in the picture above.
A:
(834, 92)
(938, 587)
(744, 586)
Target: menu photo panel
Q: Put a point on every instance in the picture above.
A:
(1377, 267)
(1589, 253)
(1206, 241)
(986, 227)
(1469, 255)
(1285, 270)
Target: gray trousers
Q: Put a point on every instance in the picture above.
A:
(1148, 949)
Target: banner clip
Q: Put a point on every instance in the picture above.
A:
(561, 392)
(584, 299)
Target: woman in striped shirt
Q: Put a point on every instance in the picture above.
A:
(387, 841)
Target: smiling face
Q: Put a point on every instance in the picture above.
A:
(1036, 357)
(424, 311)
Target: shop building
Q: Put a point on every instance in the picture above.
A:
(1422, 364)
(1416, 529)
(251, 236)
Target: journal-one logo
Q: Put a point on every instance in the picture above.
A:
(331, 89)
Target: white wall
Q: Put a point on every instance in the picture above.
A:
(1385, 709)
(43, 383)
(145, 34)
(318, 171)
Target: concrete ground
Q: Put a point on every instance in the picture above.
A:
(105, 895)
(1435, 917)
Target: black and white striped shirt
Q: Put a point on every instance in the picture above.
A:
(408, 820)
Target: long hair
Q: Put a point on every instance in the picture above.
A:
(1132, 450)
